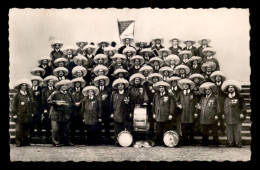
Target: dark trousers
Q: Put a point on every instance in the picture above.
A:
(120, 126)
(106, 127)
(22, 133)
(205, 132)
(47, 126)
(161, 128)
(93, 134)
(60, 132)
(37, 123)
(222, 126)
(234, 134)
(187, 133)
(76, 124)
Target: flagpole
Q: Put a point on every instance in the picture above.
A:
(119, 30)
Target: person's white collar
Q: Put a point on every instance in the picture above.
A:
(218, 83)
(208, 95)
(50, 87)
(64, 92)
(23, 92)
(162, 93)
(121, 91)
(91, 97)
(231, 95)
(209, 57)
(186, 91)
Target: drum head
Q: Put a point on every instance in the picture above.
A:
(125, 139)
(170, 138)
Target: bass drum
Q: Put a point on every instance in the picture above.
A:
(125, 138)
(170, 138)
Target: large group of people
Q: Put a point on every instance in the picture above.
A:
(84, 88)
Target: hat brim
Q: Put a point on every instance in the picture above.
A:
(84, 72)
(55, 72)
(55, 80)
(115, 84)
(202, 89)
(187, 70)
(78, 43)
(213, 67)
(82, 84)
(57, 85)
(208, 41)
(213, 77)
(22, 81)
(181, 83)
(52, 45)
(66, 62)
(192, 42)
(96, 81)
(86, 89)
(227, 83)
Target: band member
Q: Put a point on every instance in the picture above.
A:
(110, 52)
(208, 68)
(120, 63)
(163, 53)
(203, 44)
(99, 70)
(210, 52)
(102, 45)
(90, 110)
(147, 54)
(136, 63)
(189, 46)
(60, 73)
(37, 105)
(37, 71)
(156, 63)
(157, 46)
(163, 109)
(61, 102)
(218, 78)
(186, 103)
(49, 83)
(44, 64)
(195, 64)
(129, 52)
(69, 53)
(209, 114)
(118, 74)
(75, 117)
(120, 104)
(81, 45)
(234, 112)
(182, 71)
(146, 71)
(102, 82)
(172, 61)
(127, 43)
(60, 62)
(56, 53)
(80, 71)
(100, 59)
(185, 55)
(22, 112)
(142, 45)
(81, 60)
(175, 48)
(88, 52)
(166, 72)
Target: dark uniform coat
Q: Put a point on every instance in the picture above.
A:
(46, 92)
(37, 102)
(156, 49)
(195, 69)
(90, 110)
(175, 50)
(193, 50)
(200, 51)
(214, 60)
(48, 70)
(77, 97)
(121, 49)
(105, 104)
(56, 54)
(137, 97)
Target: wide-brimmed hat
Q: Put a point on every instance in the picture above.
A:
(207, 39)
(185, 52)
(22, 81)
(171, 40)
(56, 70)
(92, 47)
(100, 67)
(120, 70)
(78, 79)
(234, 83)
(160, 38)
(172, 57)
(118, 81)
(44, 58)
(86, 89)
(186, 81)
(103, 41)
(199, 59)
(197, 75)
(63, 82)
(173, 78)
(38, 78)
(129, 49)
(209, 49)
(161, 83)
(105, 78)
(146, 67)
(132, 60)
(166, 68)
(136, 75)
(103, 56)
(127, 37)
(137, 44)
(56, 62)
(65, 50)
(79, 42)
(177, 69)
(79, 68)
(207, 85)
(119, 56)
(146, 50)
(208, 64)
(192, 41)
(107, 49)
(152, 75)
(38, 69)
(217, 73)
(56, 42)
(152, 60)
(164, 49)
(80, 57)
(50, 77)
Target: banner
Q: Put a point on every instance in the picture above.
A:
(126, 28)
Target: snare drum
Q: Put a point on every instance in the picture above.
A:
(170, 138)
(125, 138)
(140, 119)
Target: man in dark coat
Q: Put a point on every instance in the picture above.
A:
(175, 48)
(44, 63)
(56, 53)
(203, 44)
(210, 52)
(69, 54)
(127, 43)
(142, 45)
(102, 45)
(190, 47)
(157, 46)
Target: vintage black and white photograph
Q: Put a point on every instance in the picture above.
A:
(129, 85)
